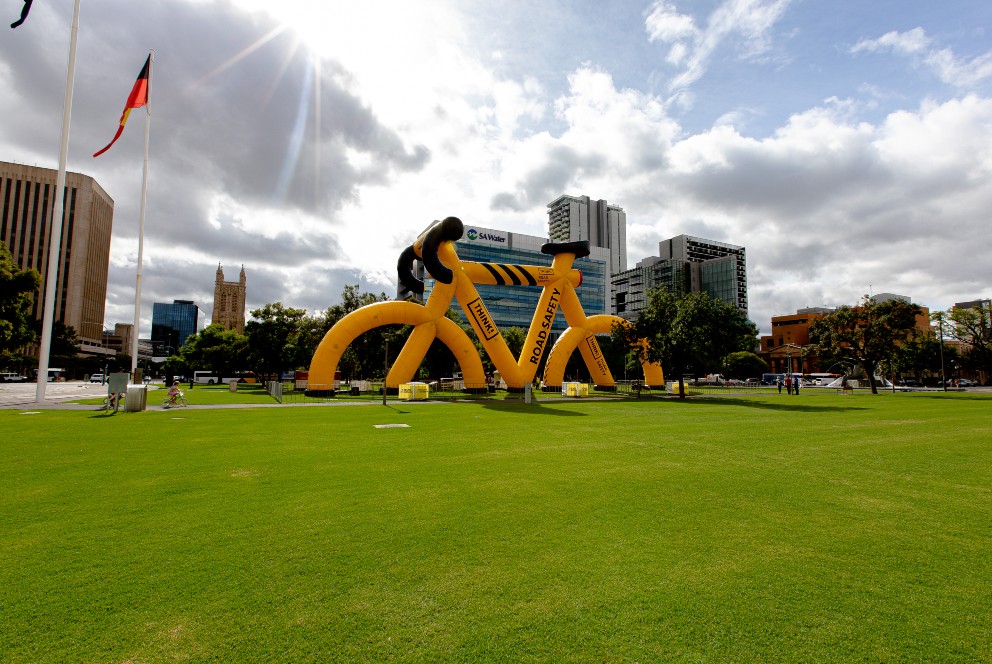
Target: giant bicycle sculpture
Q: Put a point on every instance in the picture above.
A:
(456, 278)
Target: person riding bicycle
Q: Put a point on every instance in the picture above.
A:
(174, 392)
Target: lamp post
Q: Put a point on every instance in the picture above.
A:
(940, 325)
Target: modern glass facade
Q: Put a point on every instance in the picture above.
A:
(513, 306)
(173, 323)
(718, 279)
(686, 265)
(630, 288)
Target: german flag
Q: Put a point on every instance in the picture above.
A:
(137, 99)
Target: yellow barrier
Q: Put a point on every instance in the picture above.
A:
(413, 391)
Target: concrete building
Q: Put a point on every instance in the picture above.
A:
(229, 301)
(27, 195)
(574, 218)
(172, 324)
(685, 264)
(514, 305)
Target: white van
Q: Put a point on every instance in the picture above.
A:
(12, 378)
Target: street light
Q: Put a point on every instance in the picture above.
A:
(939, 315)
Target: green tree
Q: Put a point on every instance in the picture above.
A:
(64, 347)
(974, 328)
(744, 364)
(272, 338)
(212, 349)
(17, 290)
(868, 334)
(692, 333)
(919, 355)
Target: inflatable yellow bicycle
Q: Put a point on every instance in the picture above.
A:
(456, 279)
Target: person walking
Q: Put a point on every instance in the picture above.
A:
(795, 385)
(788, 384)
(779, 382)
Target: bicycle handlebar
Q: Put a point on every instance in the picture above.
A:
(449, 229)
(404, 270)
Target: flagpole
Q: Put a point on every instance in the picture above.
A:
(55, 243)
(141, 221)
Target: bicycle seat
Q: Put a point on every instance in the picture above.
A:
(579, 248)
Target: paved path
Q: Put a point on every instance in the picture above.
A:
(23, 396)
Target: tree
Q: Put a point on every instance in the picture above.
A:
(744, 364)
(867, 334)
(920, 355)
(64, 347)
(692, 333)
(17, 290)
(974, 328)
(272, 334)
(212, 349)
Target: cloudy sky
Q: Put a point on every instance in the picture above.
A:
(846, 144)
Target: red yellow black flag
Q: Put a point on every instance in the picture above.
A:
(137, 99)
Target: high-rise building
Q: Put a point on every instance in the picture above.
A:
(229, 301)
(574, 218)
(685, 264)
(717, 268)
(514, 305)
(172, 324)
(27, 196)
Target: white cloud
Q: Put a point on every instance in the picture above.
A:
(904, 43)
(943, 63)
(746, 24)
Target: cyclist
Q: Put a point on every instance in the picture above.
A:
(174, 393)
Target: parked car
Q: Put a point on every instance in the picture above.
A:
(966, 382)
(753, 381)
(910, 382)
(12, 378)
(97, 378)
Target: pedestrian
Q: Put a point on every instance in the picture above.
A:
(779, 381)
(788, 384)
(796, 384)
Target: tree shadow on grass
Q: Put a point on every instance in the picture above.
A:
(960, 397)
(534, 408)
(785, 406)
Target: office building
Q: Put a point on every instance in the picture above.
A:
(172, 324)
(685, 264)
(229, 301)
(514, 305)
(974, 304)
(574, 218)
(27, 196)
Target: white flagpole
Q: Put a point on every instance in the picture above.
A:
(55, 243)
(141, 221)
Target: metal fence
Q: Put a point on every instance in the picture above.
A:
(366, 391)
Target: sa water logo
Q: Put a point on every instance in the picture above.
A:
(472, 234)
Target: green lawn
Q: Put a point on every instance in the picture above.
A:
(812, 528)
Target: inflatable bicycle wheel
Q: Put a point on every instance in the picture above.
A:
(426, 329)
(579, 337)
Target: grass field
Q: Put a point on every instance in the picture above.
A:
(812, 528)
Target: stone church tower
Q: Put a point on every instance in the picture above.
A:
(229, 301)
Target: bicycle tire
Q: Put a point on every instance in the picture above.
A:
(338, 338)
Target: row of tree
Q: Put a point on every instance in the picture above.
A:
(885, 335)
